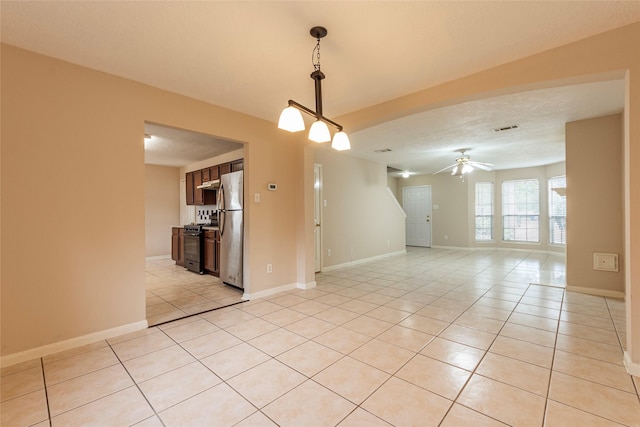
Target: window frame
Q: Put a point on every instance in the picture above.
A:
(529, 212)
(550, 209)
(483, 214)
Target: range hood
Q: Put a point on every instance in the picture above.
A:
(209, 185)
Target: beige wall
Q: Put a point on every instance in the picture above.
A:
(594, 201)
(81, 131)
(361, 219)
(161, 208)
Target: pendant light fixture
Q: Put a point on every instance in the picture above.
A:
(291, 119)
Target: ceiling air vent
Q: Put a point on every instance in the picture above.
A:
(383, 150)
(502, 129)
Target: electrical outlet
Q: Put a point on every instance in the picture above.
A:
(328, 252)
(269, 268)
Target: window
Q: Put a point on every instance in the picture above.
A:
(558, 210)
(521, 210)
(484, 211)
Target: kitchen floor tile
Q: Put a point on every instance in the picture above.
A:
(235, 360)
(337, 316)
(206, 345)
(310, 327)
(342, 339)
(424, 324)
(360, 417)
(284, 317)
(525, 376)
(438, 377)
(310, 358)
(559, 415)
(503, 402)
(460, 416)
(266, 382)
(597, 399)
(220, 403)
(528, 334)
(78, 391)
(453, 353)
(382, 355)
(415, 407)
(142, 345)
(193, 329)
(177, 385)
(277, 342)
(153, 364)
(125, 407)
(257, 419)
(467, 336)
(24, 410)
(604, 373)
(58, 370)
(406, 338)
(21, 383)
(294, 408)
(523, 350)
(351, 379)
(368, 325)
(251, 329)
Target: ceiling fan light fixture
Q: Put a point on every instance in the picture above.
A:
(466, 168)
(319, 132)
(291, 120)
(405, 174)
(340, 141)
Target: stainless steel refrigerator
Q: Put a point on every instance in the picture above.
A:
(230, 222)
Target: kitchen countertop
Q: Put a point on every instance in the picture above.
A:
(210, 228)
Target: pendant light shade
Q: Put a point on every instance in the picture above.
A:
(319, 132)
(340, 141)
(291, 120)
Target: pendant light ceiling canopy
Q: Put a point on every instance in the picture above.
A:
(291, 118)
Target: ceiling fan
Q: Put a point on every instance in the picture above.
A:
(464, 164)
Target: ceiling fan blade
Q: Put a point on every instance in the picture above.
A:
(483, 166)
(448, 167)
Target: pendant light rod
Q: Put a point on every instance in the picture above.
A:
(310, 112)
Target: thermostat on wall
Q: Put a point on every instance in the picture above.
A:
(272, 186)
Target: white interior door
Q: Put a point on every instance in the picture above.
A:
(416, 202)
(317, 215)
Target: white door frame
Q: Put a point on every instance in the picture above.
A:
(317, 216)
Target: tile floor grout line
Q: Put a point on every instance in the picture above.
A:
(553, 360)
(473, 372)
(137, 385)
(46, 391)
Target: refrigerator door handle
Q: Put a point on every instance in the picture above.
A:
(221, 210)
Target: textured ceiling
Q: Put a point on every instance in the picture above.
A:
(252, 56)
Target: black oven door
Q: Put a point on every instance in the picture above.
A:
(193, 252)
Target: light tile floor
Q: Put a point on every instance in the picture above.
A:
(174, 292)
(431, 338)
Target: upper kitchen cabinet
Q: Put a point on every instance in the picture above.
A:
(190, 187)
(225, 168)
(198, 196)
(237, 165)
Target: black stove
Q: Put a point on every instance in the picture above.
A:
(194, 248)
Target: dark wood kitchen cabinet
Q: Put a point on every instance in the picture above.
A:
(225, 168)
(189, 187)
(211, 252)
(200, 196)
(177, 245)
(237, 165)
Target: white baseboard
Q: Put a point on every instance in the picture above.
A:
(45, 350)
(632, 368)
(309, 285)
(269, 292)
(362, 261)
(497, 248)
(152, 258)
(595, 291)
